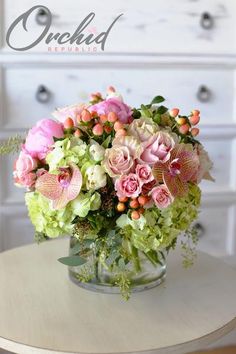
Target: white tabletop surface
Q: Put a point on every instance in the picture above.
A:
(42, 311)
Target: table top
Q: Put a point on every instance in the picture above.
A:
(43, 312)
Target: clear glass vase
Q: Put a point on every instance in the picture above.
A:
(95, 275)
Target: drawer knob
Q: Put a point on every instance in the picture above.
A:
(204, 94)
(42, 17)
(200, 229)
(207, 21)
(43, 95)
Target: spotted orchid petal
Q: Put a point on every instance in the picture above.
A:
(158, 170)
(189, 165)
(48, 186)
(176, 186)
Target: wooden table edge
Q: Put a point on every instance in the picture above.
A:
(190, 346)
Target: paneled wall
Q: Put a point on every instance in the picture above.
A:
(183, 50)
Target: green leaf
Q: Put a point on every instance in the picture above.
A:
(157, 99)
(157, 118)
(76, 249)
(162, 110)
(106, 142)
(72, 261)
(145, 111)
(136, 114)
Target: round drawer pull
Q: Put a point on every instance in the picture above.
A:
(207, 21)
(204, 94)
(43, 95)
(42, 17)
(200, 229)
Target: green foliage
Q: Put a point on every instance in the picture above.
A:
(11, 145)
(123, 282)
(157, 99)
(40, 237)
(72, 261)
(188, 246)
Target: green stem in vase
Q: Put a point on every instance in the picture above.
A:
(135, 258)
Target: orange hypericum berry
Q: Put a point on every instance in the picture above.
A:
(195, 112)
(194, 120)
(98, 129)
(141, 210)
(134, 204)
(68, 123)
(120, 207)
(78, 133)
(135, 215)
(181, 120)
(94, 114)
(118, 126)
(174, 112)
(112, 117)
(85, 115)
(184, 129)
(195, 131)
(108, 129)
(143, 199)
(123, 199)
(103, 118)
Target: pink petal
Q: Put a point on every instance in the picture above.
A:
(49, 186)
(75, 183)
(62, 201)
(189, 165)
(176, 187)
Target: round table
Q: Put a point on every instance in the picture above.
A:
(42, 311)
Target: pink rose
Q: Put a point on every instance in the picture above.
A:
(128, 186)
(40, 138)
(28, 180)
(118, 160)
(161, 196)
(25, 164)
(144, 173)
(61, 114)
(157, 148)
(115, 105)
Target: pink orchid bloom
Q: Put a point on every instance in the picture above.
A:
(61, 188)
(178, 170)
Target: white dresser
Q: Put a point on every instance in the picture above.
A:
(184, 50)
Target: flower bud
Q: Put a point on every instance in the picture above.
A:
(98, 129)
(194, 120)
(195, 131)
(68, 123)
(184, 129)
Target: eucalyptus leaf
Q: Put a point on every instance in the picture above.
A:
(72, 261)
(157, 99)
(162, 110)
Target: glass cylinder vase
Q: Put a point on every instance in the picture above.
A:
(95, 275)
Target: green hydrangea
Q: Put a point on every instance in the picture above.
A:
(68, 151)
(86, 202)
(160, 227)
(47, 220)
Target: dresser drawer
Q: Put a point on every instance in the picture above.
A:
(223, 154)
(31, 94)
(203, 26)
(214, 227)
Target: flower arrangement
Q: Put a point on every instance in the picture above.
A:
(124, 179)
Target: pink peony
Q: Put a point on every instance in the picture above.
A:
(118, 160)
(161, 196)
(25, 164)
(144, 173)
(157, 148)
(40, 138)
(61, 114)
(128, 186)
(115, 105)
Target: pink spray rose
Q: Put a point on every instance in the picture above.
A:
(161, 196)
(157, 148)
(28, 180)
(40, 138)
(61, 114)
(25, 164)
(115, 105)
(128, 186)
(144, 173)
(118, 160)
